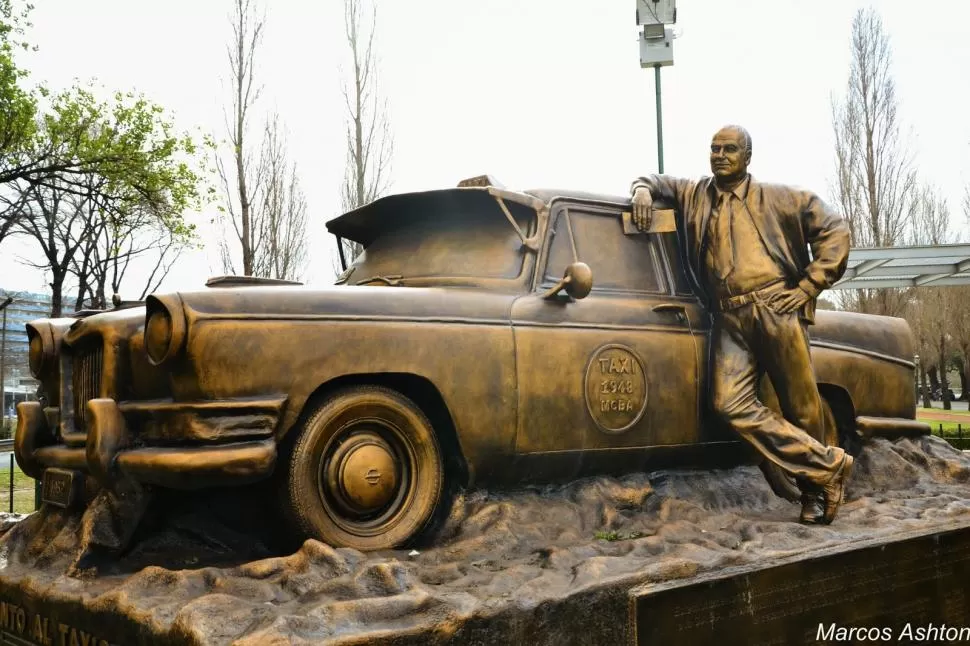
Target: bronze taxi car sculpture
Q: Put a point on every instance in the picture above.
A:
(483, 337)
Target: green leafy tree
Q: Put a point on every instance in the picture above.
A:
(110, 248)
(17, 110)
(145, 175)
(95, 182)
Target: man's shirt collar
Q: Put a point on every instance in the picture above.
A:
(740, 191)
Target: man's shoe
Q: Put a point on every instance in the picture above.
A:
(812, 508)
(834, 489)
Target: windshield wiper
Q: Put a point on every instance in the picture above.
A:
(393, 280)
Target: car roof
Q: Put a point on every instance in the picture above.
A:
(549, 194)
(364, 223)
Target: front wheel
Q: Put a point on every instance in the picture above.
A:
(364, 472)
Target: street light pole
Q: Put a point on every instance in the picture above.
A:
(3, 367)
(660, 127)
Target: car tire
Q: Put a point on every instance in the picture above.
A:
(365, 471)
(843, 435)
(832, 436)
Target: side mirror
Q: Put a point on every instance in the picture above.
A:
(577, 280)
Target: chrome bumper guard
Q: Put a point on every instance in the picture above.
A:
(108, 454)
(890, 427)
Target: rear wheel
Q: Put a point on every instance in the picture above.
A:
(840, 426)
(365, 470)
(831, 428)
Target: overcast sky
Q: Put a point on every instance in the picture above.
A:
(543, 93)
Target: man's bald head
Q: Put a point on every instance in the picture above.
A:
(744, 134)
(730, 155)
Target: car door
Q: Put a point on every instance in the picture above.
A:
(617, 369)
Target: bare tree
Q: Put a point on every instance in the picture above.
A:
(282, 210)
(919, 323)
(875, 183)
(960, 329)
(59, 220)
(965, 203)
(960, 319)
(11, 210)
(94, 237)
(370, 144)
(935, 314)
(264, 204)
(240, 181)
(930, 218)
(110, 247)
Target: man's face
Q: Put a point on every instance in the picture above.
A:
(728, 157)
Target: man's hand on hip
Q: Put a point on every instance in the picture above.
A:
(789, 300)
(642, 208)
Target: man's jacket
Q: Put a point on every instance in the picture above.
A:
(788, 220)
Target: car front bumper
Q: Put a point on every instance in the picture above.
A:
(179, 445)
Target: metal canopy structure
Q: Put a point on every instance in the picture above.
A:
(883, 267)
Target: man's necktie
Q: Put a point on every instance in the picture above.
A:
(723, 245)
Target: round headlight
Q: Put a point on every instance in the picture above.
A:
(158, 335)
(35, 357)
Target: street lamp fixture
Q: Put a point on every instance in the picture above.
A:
(657, 50)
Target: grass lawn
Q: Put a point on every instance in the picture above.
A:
(23, 494)
(949, 429)
(939, 419)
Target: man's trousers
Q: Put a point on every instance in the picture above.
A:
(746, 343)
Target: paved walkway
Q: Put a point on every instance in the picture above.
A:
(944, 416)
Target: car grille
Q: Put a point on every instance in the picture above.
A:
(86, 380)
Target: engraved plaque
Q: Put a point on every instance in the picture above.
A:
(616, 388)
(59, 487)
(29, 621)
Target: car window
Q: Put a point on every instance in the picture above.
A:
(480, 243)
(676, 261)
(620, 263)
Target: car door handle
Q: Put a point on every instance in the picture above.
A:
(676, 308)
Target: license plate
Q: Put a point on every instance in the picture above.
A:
(59, 487)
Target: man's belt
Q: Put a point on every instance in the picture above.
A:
(734, 302)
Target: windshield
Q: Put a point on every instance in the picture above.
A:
(480, 243)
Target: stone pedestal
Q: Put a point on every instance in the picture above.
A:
(911, 588)
(670, 557)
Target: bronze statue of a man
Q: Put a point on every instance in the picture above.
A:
(748, 248)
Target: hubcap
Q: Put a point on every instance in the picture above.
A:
(363, 473)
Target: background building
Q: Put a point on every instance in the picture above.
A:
(16, 383)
